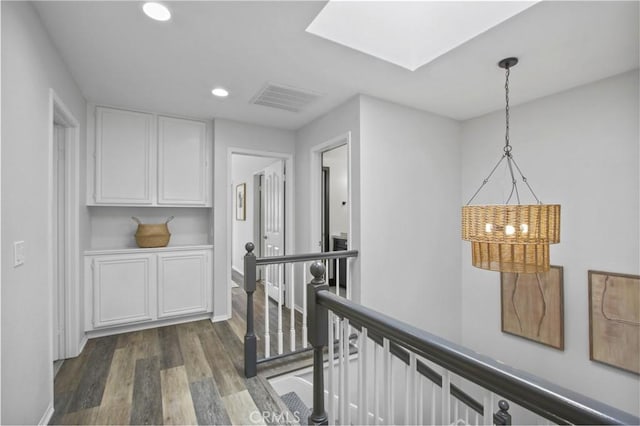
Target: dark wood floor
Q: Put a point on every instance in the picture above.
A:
(184, 374)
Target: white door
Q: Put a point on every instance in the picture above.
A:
(273, 227)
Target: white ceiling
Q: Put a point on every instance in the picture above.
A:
(120, 57)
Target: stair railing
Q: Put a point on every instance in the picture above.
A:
(275, 264)
(382, 339)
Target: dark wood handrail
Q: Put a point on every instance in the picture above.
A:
(540, 396)
(293, 258)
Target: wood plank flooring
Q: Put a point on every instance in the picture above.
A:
(190, 373)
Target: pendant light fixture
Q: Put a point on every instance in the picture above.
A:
(510, 237)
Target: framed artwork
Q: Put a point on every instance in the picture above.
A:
(614, 319)
(533, 306)
(241, 201)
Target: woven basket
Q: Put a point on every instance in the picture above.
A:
(152, 235)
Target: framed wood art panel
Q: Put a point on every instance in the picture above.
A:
(614, 319)
(241, 201)
(533, 306)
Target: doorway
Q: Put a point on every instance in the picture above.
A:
(67, 336)
(258, 181)
(59, 214)
(335, 208)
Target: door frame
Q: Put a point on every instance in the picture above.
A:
(289, 243)
(74, 337)
(315, 192)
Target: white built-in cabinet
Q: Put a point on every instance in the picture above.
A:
(145, 159)
(143, 285)
(151, 166)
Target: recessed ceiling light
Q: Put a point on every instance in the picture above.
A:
(220, 92)
(156, 11)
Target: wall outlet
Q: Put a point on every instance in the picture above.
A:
(18, 253)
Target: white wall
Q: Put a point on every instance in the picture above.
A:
(232, 136)
(30, 67)
(337, 161)
(578, 148)
(338, 122)
(243, 168)
(410, 185)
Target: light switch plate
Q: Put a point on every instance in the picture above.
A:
(18, 253)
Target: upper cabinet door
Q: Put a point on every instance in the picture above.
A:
(182, 162)
(123, 166)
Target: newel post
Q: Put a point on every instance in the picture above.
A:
(502, 416)
(317, 324)
(250, 346)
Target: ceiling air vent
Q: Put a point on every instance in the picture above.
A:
(284, 97)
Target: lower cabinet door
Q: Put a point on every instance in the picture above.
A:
(123, 289)
(183, 283)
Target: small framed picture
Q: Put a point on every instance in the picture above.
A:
(241, 201)
(614, 319)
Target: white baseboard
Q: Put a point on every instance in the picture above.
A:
(46, 417)
(83, 343)
(237, 274)
(220, 318)
(143, 326)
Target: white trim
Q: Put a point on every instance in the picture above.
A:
(114, 330)
(46, 417)
(315, 171)
(289, 205)
(220, 318)
(73, 329)
(0, 222)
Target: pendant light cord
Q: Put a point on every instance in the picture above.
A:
(507, 154)
(507, 147)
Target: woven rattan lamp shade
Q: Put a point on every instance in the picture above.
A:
(511, 238)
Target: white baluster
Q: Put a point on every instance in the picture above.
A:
(433, 404)
(387, 384)
(279, 281)
(455, 411)
(446, 413)
(347, 404)
(292, 310)
(267, 338)
(376, 385)
(407, 393)
(348, 275)
(488, 401)
(420, 399)
(413, 393)
(341, 396)
(331, 381)
(363, 416)
(305, 343)
(392, 394)
(466, 415)
(336, 274)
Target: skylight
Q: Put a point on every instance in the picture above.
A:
(410, 33)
